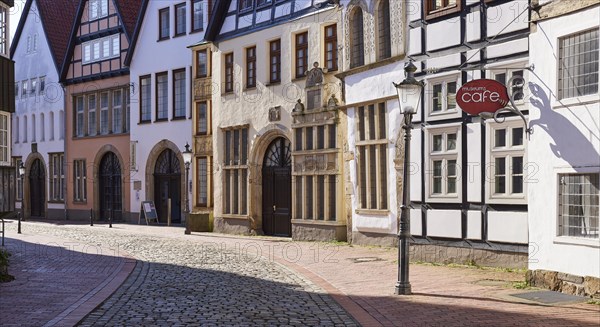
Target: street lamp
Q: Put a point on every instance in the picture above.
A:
(409, 97)
(22, 175)
(187, 160)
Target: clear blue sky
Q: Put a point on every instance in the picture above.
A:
(15, 14)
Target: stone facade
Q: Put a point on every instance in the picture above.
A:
(565, 283)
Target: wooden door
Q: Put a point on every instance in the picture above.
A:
(111, 196)
(167, 185)
(277, 189)
(37, 189)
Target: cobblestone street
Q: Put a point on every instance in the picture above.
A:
(218, 280)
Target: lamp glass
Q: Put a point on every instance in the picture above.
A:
(187, 154)
(409, 96)
(21, 169)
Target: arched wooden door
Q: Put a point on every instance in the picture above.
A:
(167, 185)
(277, 188)
(111, 189)
(37, 188)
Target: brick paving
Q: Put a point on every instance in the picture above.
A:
(212, 279)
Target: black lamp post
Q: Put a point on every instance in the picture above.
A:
(22, 175)
(187, 160)
(409, 97)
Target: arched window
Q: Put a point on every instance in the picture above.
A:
(51, 125)
(61, 124)
(357, 44)
(384, 47)
(25, 128)
(42, 127)
(17, 127)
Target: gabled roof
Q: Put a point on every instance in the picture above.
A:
(136, 32)
(57, 18)
(217, 18)
(128, 11)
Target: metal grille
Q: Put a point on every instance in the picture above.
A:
(578, 70)
(578, 205)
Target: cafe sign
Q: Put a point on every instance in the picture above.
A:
(482, 95)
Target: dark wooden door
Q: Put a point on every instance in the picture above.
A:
(37, 190)
(111, 195)
(167, 185)
(277, 189)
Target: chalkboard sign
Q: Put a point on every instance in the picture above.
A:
(148, 209)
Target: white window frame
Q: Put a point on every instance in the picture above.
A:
(238, 167)
(5, 135)
(57, 177)
(445, 113)
(565, 239)
(79, 180)
(444, 155)
(508, 152)
(584, 98)
(94, 50)
(97, 9)
(510, 73)
(4, 31)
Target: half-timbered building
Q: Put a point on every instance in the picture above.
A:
(39, 50)
(468, 176)
(277, 132)
(7, 106)
(97, 91)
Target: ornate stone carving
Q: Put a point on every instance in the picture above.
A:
(275, 114)
(204, 145)
(299, 107)
(314, 76)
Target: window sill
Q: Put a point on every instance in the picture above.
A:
(179, 35)
(179, 118)
(443, 199)
(317, 222)
(230, 216)
(250, 88)
(372, 212)
(298, 79)
(145, 122)
(572, 240)
(226, 93)
(56, 201)
(577, 101)
(273, 83)
(163, 39)
(197, 30)
(161, 120)
(507, 199)
(79, 202)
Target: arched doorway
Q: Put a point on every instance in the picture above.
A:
(111, 194)
(167, 185)
(277, 188)
(37, 188)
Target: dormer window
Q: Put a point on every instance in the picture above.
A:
(98, 9)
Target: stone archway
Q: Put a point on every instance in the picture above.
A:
(29, 162)
(153, 156)
(259, 146)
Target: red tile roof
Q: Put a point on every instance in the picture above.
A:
(58, 17)
(130, 10)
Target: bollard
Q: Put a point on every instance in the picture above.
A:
(91, 217)
(19, 224)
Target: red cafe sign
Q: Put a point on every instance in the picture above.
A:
(482, 95)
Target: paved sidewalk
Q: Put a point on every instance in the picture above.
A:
(57, 281)
(360, 279)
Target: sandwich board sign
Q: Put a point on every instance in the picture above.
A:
(148, 209)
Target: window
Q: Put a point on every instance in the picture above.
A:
(197, 15)
(251, 67)
(443, 98)
(79, 116)
(578, 199)
(80, 180)
(3, 31)
(98, 9)
(229, 72)
(164, 28)
(33, 129)
(516, 87)
(127, 113)
(202, 63)
(42, 127)
(372, 156)
(145, 102)
(57, 176)
(443, 163)
(117, 112)
(313, 99)
(275, 61)
(507, 161)
(162, 96)
(180, 17)
(18, 179)
(357, 44)
(384, 47)
(331, 51)
(236, 172)
(202, 178)
(51, 125)
(578, 64)
(436, 8)
(17, 129)
(61, 124)
(179, 96)
(24, 89)
(301, 54)
(202, 109)
(42, 85)
(101, 49)
(246, 4)
(4, 139)
(33, 90)
(91, 109)
(262, 2)
(17, 90)
(104, 113)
